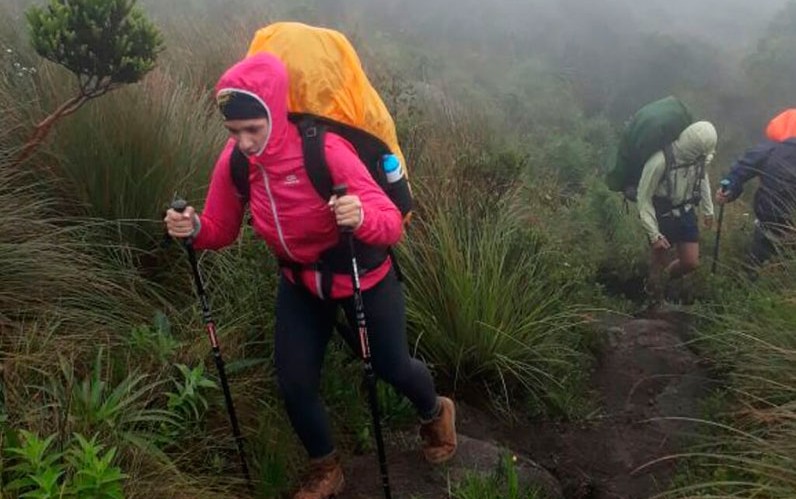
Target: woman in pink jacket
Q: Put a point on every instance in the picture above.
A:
(301, 227)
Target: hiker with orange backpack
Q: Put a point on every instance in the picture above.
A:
(291, 165)
(774, 161)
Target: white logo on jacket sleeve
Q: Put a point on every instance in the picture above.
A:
(291, 180)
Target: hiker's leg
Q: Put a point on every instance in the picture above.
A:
(660, 259)
(687, 260)
(303, 328)
(762, 246)
(655, 281)
(385, 313)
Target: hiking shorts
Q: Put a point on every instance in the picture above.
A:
(682, 229)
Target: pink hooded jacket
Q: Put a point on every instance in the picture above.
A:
(286, 210)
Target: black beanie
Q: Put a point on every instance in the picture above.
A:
(239, 105)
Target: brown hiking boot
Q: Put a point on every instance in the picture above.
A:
(439, 434)
(324, 479)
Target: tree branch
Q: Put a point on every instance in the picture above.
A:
(43, 128)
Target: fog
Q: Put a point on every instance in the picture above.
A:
(730, 58)
(604, 42)
(731, 24)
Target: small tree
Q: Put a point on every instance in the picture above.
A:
(105, 43)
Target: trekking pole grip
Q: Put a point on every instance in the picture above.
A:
(179, 205)
(341, 190)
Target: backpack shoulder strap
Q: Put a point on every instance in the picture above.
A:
(239, 169)
(696, 195)
(312, 143)
(671, 163)
(668, 155)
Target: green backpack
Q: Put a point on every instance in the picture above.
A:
(653, 127)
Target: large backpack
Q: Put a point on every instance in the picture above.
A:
(329, 92)
(651, 129)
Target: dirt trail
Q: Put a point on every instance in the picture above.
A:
(411, 477)
(645, 372)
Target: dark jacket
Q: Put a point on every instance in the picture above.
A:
(775, 164)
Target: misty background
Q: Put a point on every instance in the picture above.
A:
(730, 60)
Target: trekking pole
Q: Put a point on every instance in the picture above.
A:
(179, 206)
(724, 185)
(362, 328)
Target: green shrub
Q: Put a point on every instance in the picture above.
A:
(485, 306)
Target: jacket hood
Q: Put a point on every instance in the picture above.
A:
(783, 127)
(264, 77)
(699, 139)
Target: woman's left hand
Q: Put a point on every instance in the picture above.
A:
(347, 210)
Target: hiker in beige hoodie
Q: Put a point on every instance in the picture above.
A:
(673, 188)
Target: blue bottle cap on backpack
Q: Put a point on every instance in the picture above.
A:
(392, 168)
(390, 163)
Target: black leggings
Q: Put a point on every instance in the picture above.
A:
(303, 328)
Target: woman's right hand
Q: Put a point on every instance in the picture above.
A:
(180, 225)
